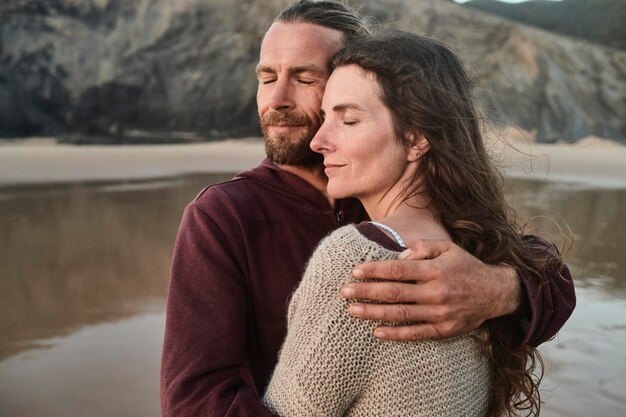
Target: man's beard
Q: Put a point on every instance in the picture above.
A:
(290, 148)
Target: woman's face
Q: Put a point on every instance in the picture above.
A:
(362, 156)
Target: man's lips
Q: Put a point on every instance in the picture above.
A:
(284, 127)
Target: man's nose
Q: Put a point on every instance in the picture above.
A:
(282, 96)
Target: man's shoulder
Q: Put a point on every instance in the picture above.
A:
(248, 195)
(224, 189)
(225, 196)
(244, 186)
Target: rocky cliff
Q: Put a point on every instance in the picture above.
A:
(112, 68)
(600, 21)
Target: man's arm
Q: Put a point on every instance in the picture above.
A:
(545, 307)
(452, 293)
(204, 346)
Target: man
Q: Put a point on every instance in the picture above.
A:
(243, 245)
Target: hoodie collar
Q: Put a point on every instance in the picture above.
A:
(271, 176)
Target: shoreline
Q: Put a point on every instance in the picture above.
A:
(592, 162)
(41, 161)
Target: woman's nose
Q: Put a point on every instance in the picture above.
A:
(320, 142)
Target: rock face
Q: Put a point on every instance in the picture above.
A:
(600, 21)
(112, 67)
(107, 66)
(562, 88)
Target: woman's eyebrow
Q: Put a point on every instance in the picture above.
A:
(347, 106)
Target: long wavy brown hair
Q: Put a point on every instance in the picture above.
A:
(427, 90)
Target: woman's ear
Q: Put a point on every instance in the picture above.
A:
(419, 146)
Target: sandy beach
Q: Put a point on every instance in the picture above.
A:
(592, 161)
(42, 160)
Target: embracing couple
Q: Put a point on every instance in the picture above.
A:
(370, 265)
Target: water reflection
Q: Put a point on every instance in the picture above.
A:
(83, 254)
(593, 218)
(84, 281)
(104, 370)
(585, 369)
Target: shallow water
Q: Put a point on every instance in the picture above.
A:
(85, 270)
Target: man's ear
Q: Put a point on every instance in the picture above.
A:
(419, 146)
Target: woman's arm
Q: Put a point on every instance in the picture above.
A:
(326, 357)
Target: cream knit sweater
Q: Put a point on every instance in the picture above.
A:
(331, 365)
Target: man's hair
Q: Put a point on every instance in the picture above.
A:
(428, 92)
(327, 14)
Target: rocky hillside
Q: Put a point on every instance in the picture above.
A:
(110, 68)
(600, 21)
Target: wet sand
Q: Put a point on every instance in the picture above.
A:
(592, 161)
(85, 273)
(85, 268)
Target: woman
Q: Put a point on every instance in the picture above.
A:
(401, 134)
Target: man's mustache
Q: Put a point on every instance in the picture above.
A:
(274, 118)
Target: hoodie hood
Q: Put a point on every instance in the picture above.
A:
(270, 176)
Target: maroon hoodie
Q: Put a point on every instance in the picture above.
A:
(241, 250)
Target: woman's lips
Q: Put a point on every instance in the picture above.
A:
(331, 168)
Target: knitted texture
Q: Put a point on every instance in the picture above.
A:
(331, 365)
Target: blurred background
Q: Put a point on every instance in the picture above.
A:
(114, 114)
(172, 70)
